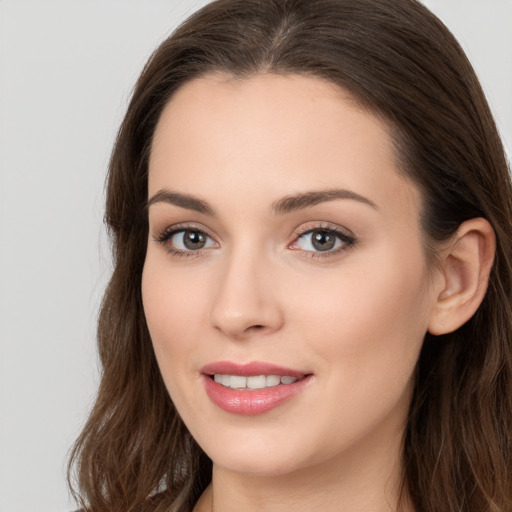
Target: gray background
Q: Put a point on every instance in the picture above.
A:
(66, 71)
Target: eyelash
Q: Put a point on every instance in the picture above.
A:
(347, 241)
(168, 233)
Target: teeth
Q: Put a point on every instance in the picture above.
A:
(253, 382)
(237, 382)
(273, 380)
(258, 382)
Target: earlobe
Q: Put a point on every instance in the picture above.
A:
(465, 267)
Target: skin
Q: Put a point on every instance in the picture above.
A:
(354, 317)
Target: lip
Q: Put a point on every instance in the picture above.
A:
(251, 369)
(252, 402)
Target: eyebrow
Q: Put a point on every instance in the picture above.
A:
(280, 207)
(181, 200)
(300, 201)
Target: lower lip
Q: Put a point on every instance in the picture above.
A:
(255, 401)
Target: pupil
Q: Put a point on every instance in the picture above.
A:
(194, 240)
(323, 241)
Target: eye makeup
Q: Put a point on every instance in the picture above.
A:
(324, 240)
(316, 240)
(185, 240)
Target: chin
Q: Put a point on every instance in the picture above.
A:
(260, 465)
(258, 453)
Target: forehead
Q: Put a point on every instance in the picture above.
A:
(289, 106)
(272, 134)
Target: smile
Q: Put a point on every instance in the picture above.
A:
(241, 382)
(253, 388)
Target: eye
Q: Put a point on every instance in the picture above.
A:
(186, 240)
(323, 240)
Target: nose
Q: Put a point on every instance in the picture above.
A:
(245, 302)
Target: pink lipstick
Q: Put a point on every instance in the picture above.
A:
(254, 388)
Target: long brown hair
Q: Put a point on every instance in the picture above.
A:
(401, 63)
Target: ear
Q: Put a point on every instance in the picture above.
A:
(465, 266)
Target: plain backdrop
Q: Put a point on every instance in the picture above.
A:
(66, 71)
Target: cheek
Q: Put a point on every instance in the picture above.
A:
(168, 301)
(364, 329)
(173, 306)
(371, 315)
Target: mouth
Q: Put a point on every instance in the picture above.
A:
(248, 383)
(253, 388)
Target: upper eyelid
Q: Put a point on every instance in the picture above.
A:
(164, 237)
(340, 233)
(182, 226)
(345, 235)
(326, 226)
(304, 228)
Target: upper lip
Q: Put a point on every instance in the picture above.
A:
(251, 369)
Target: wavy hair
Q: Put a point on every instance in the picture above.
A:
(399, 62)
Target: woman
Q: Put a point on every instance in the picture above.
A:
(310, 307)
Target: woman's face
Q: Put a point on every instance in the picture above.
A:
(283, 245)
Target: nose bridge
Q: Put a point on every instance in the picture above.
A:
(245, 300)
